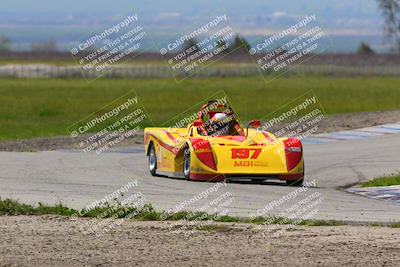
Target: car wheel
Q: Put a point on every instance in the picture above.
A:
(295, 183)
(152, 160)
(186, 163)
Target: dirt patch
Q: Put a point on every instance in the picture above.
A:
(57, 241)
(60, 143)
(358, 120)
(334, 123)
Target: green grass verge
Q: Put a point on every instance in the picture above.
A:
(393, 179)
(46, 107)
(12, 207)
(146, 213)
(395, 225)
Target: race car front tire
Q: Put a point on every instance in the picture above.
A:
(186, 164)
(152, 160)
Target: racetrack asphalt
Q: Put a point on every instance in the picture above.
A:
(77, 179)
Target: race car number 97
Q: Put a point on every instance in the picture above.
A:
(245, 153)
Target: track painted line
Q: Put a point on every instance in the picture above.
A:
(343, 136)
(365, 133)
(313, 141)
(358, 134)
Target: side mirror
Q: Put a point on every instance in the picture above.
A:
(253, 124)
(197, 123)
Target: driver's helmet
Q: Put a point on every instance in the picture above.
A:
(218, 117)
(219, 123)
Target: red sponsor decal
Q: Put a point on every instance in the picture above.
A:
(243, 163)
(245, 153)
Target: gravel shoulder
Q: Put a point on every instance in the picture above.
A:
(334, 123)
(54, 240)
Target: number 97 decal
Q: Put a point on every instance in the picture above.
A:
(245, 153)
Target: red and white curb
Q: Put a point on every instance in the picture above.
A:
(363, 133)
(382, 192)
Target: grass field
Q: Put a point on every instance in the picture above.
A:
(383, 181)
(46, 107)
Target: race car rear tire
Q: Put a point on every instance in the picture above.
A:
(152, 160)
(295, 183)
(186, 163)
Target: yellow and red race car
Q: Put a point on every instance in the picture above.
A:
(215, 147)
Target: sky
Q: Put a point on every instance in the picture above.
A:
(346, 22)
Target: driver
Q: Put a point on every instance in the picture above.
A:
(218, 124)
